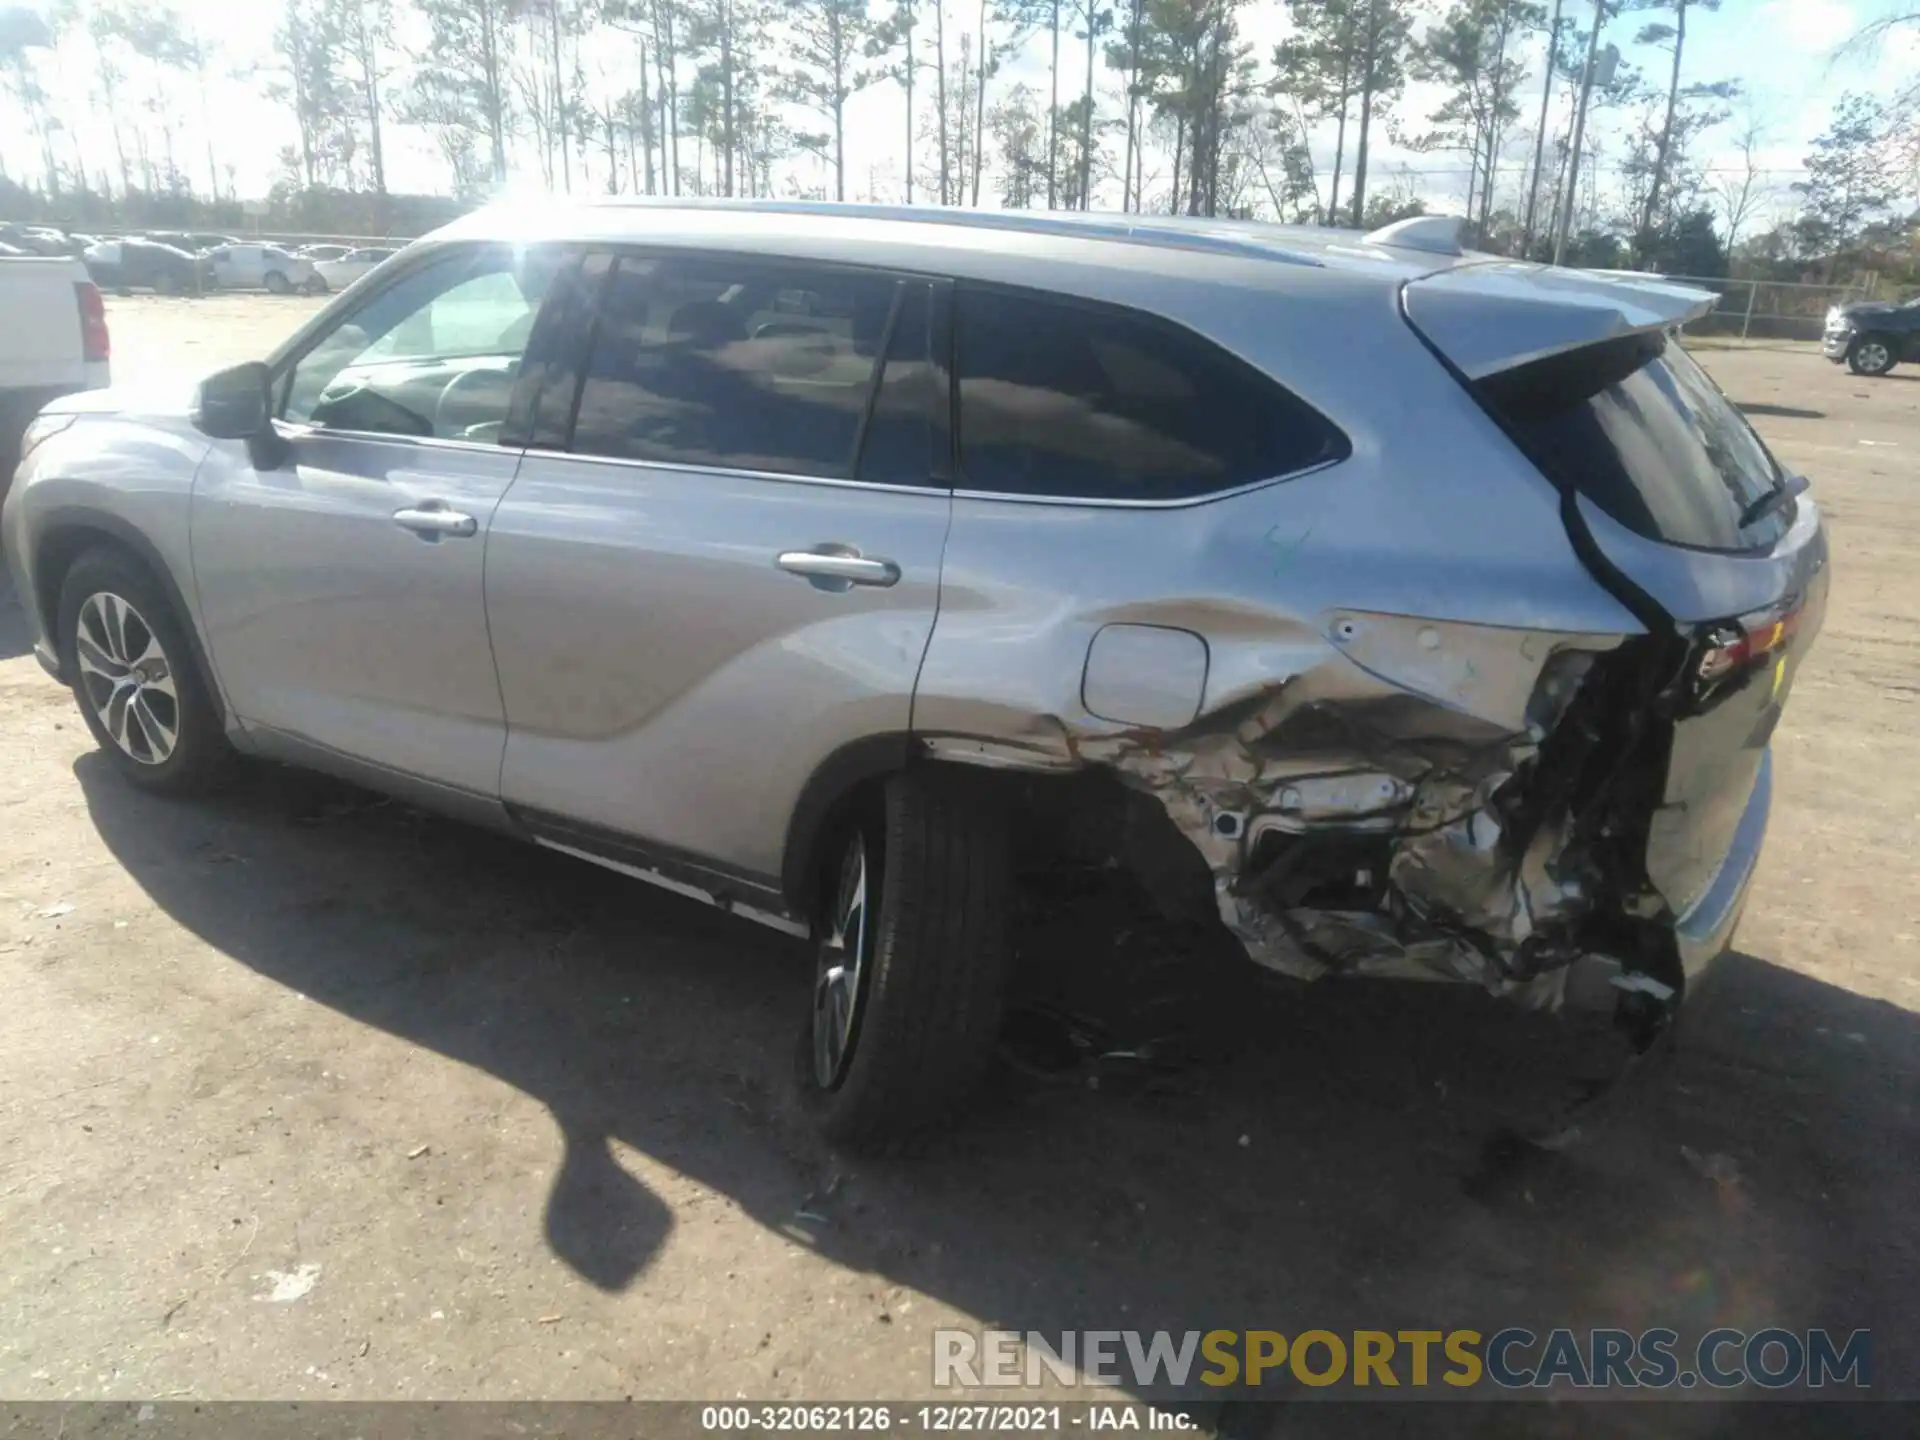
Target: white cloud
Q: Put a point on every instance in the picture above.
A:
(1811, 27)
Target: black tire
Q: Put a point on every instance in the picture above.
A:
(1872, 355)
(932, 982)
(199, 749)
(278, 284)
(316, 286)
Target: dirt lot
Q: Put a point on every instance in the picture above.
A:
(306, 1095)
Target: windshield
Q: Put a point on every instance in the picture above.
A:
(1636, 426)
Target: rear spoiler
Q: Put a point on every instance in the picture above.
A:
(1495, 316)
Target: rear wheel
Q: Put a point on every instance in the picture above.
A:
(278, 284)
(127, 657)
(315, 286)
(1871, 355)
(911, 963)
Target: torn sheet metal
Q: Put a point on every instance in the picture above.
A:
(1374, 813)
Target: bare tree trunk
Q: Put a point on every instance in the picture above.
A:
(839, 151)
(1129, 197)
(1086, 119)
(666, 60)
(560, 97)
(940, 93)
(495, 108)
(1665, 148)
(646, 120)
(1493, 124)
(980, 106)
(1369, 64)
(910, 69)
(1540, 135)
(370, 78)
(728, 138)
(1053, 110)
(1339, 144)
(1179, 155)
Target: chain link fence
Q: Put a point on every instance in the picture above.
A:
(1770, 309)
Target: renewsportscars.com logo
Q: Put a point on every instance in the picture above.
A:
(1511, 1359)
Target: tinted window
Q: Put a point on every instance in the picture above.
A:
(898, 446)
(1638, 428)
(1059, 398)
(733, 362)
(433, 355)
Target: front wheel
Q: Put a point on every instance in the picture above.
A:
(1871, 355)
(127, 657)
(910, 963)
(278, 284)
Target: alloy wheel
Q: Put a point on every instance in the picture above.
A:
(841, 968)
(1872, 355)
(128, 678)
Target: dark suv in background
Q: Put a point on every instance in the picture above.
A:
(1872, 336)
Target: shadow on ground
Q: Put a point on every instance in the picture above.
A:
(14, 636)
(1783, 412)
(1312, 1171)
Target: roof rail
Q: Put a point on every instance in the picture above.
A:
(1166, 231)
(1435, 234)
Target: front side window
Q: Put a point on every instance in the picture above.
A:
(739, 363)
(434, 355)
(1075, 400)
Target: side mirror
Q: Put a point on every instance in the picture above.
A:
(233, 404)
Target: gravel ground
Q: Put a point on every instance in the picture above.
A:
(304, 1095)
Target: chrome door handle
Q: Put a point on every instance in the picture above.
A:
(838, 567)
(432, 521)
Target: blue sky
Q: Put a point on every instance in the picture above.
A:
(1781, 50)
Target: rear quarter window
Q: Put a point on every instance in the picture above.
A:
(1088, 401)
(1637, 427)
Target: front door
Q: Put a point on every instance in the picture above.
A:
(732, 568)
(340, 581)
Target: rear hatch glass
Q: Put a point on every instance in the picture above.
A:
(1637, 427)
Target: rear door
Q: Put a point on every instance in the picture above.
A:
(725, 565)
(1677, 506)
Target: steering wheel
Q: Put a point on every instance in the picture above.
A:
(466, 379)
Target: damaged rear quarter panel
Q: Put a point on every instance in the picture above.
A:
(1388, 641)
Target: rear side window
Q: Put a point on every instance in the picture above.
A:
(1091, 401)
(734, 363)
(1637, 427)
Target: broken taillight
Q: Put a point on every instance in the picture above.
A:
(96, 345)
(1748, 642)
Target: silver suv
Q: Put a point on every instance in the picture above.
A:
(1391, 610)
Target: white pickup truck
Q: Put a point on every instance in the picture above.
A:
(53, 341)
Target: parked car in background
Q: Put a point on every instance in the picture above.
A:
(264, 267)
(178, 239)
(58, 242)
(324, 252)
(1872, 336)
(340, 273)
(54, 342)
(36, 240)
(848, 566)
(147, 265)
